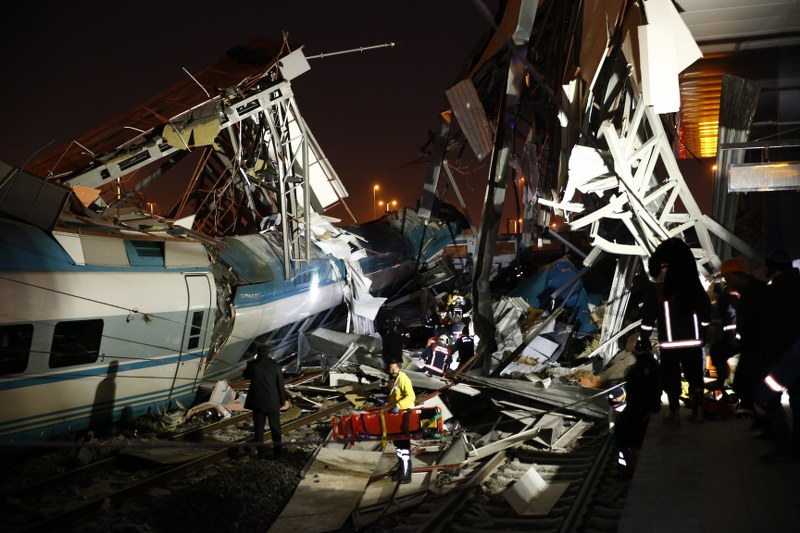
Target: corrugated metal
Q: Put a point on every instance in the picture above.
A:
(738, 105)
(468, 109)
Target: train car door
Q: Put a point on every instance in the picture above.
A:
(196, 335)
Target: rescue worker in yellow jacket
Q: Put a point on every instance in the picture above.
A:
(401, 397)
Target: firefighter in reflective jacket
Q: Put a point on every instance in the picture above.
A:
(438, 357)
(677, 302)
(782, 376)
(727, 342)
(401, 397)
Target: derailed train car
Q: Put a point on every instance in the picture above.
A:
(101, 322)
(109, 311)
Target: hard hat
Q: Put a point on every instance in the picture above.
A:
(732, 265)
(444, 339)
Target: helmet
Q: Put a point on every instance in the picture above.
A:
(732, 265)
(444, 339)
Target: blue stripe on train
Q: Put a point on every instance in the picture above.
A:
(78, 417)
(42, 379)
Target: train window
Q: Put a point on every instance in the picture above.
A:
(194, 333)
(76, 342)
(15, 348)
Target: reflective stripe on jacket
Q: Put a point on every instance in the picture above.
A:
(677, 327)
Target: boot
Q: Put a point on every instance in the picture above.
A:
(398, 471)
(406, 478)
(404, 466)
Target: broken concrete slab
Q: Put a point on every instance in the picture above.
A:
(531, 495)
(329, 492)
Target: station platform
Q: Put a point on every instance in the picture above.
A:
(708, 477)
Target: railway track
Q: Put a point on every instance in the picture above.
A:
(52, 503)
(592, 502)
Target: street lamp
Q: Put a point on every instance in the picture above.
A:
(374, 192)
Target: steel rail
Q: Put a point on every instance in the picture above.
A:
(167, 476)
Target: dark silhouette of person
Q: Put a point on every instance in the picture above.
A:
(465, 345)
(102, 415)
(727, 341)
(677, 302)
(266, 397)
(642, 396)
(750, 313)
(394, 339)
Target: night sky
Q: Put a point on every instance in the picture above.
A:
(70, 66)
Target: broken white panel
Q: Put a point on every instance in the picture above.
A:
(293, 64)
(586, 165)
(666, 47)
(550, 429)
(516, 367)
(465, 389)
(532, 495)
(569, 437)
(566, 207)
(185, 222)
(469, 112)
(540, 347)
(339, 379)
(222, 393)
(493, 448)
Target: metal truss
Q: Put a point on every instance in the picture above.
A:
(255, 175)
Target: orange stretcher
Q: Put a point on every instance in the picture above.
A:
(413, 423)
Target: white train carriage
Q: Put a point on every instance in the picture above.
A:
(84, 343)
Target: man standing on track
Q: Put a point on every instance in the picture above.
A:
(266, 397)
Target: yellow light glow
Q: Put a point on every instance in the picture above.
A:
(709, 132)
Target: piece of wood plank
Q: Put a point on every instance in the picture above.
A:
(329, 492)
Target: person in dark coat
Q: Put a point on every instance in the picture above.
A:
(677, 302)
(465, 345)
(750, 316)
(642, 396)
(394, 340)
(266, 397)
(727, 341)
(783, 375)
